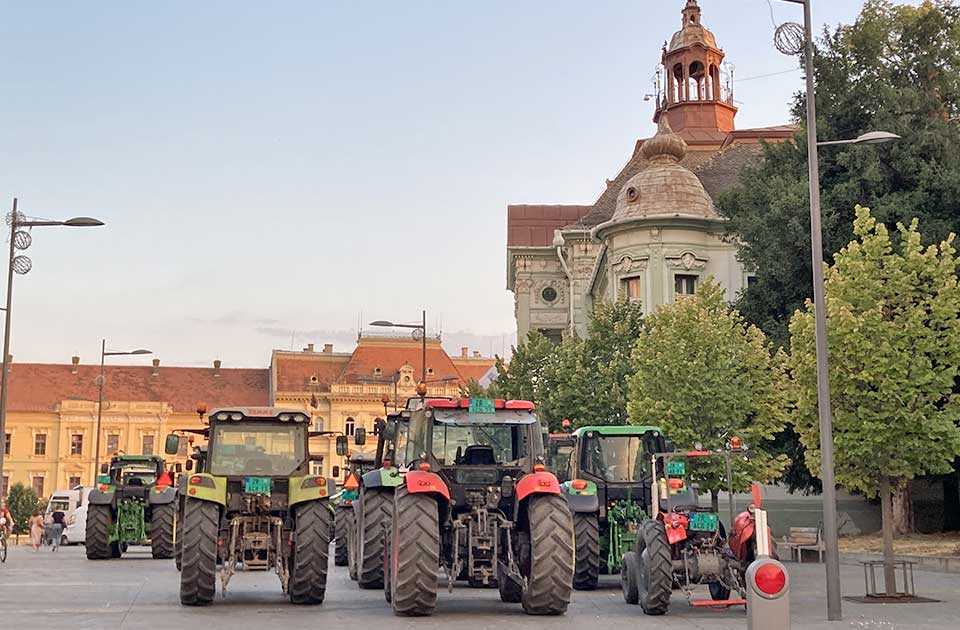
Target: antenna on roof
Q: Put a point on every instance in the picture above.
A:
(293, 336)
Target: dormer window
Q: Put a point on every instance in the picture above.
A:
(377, 371)
(429, 371)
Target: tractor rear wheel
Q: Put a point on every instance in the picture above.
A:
(655, 570)
(375, 510)
(178, 539)
(550, 578)
(342, 522)
(352, 544)
(99, 523)
(414, 553)
(628, 577)
(198, 575)
(311, 548)
(161, 530)
(586, 536)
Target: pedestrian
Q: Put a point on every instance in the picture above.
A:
(57, 528)
(6, 528)
(36, 530)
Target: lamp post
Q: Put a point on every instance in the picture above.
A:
(21, 239)
(792, 39)
(100, 381)
(423, 337)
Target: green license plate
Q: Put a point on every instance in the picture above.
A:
(704, 522)
(676, 469)
(482, 405)
(257, 485)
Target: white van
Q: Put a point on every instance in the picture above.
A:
(71, 503)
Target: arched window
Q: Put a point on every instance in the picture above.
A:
(348, 426)
(318, 423)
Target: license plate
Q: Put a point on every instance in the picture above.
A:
(676, 469)
(257, 485)
(482, 405)
(704, 522)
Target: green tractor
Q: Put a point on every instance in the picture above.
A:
(606, 478)
(361, 463)
(134, 501)
(255, 504)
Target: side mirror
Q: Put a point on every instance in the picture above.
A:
(177, 468)
(189, 465)
(360, 436)
(342, 445)
(668, 445)
(336, 471)
(172, 445)
(104, 469)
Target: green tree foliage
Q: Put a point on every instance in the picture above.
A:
(523, 378)
(893, 311)
(897, 69)
(704, 376)
(21, 501)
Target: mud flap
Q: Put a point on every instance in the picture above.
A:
(511, 576)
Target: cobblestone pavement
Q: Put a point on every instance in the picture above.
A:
(65, 590)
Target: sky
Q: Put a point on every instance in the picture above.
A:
(276, 174)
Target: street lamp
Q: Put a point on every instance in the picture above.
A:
(20, 240)
(104, 353)
(423, 337)
(791, 39)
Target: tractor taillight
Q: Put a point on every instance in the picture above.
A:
(387, 463)
(425, 466)
(196, 480)
(676, 484)
(539, 468)
(578, 484)
(321, 481)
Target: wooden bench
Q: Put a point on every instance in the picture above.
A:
(800, 539)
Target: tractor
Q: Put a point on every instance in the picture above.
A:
(255, 504)
(195, 464)
(685, 545)
(360, 463)
(478, 503)
(606, 481)
(134, 501)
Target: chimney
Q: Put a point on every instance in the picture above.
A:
(216, 367)
(476, 354)
(328, 348)
(464, 352)
(75, 364)
(156, 368)
(309, 348)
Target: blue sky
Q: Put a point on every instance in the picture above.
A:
(270, 171)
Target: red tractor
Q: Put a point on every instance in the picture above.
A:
(478, 503)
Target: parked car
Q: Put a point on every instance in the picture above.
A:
(68, 502)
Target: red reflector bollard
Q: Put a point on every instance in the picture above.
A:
(768, 586)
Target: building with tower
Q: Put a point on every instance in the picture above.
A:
(653, 233)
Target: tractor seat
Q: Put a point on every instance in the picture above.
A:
(478, 455)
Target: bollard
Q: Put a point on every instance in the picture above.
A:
(768, 585)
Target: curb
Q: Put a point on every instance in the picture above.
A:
(936, 564)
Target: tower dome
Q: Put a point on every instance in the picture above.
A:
(664, 187)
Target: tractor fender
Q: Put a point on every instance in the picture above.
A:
(419, 481)
(102, 497)
(206, 487)
(309, 488)
(541, 482)
(162, 496)
(383, 478)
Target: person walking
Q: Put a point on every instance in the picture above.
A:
(36, 530)
(57, 528)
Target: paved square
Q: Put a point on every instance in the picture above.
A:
(65, 590)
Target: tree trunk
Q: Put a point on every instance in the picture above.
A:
(715, 502)
(886, 508)
(903, 517)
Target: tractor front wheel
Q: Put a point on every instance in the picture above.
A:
(655, 570)
(308, 566)
(550, 578)
(198, 574)
(343, 521)
(628, 577)
(375, 511)
(161, 530)
(414, 553)
(586, 536)
(99, 524)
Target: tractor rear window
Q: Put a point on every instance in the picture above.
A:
(479, 444)
(616, 457)
(267, 450)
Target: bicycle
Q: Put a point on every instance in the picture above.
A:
(3, 539)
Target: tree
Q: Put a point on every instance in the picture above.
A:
(523, 378)
(22, 502)
(893, 313)
(704, 375)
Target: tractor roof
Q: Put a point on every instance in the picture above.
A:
(237, 414)
(616, 430)
(136, 458)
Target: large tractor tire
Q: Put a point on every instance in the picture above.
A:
(655, 569)
(352, 546)
(343, 522)
(414, 553)
(586, 536)
(178, 539)
(375, 510)
(198, 574)
(311, 549)
(161, 530)
(99, 524)
(628, 577)
(550, 578)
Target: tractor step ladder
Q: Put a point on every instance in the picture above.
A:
(717, 603)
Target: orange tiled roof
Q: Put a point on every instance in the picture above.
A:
(295, 370)
(474, 369)
(392, 354)
(42, 386)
